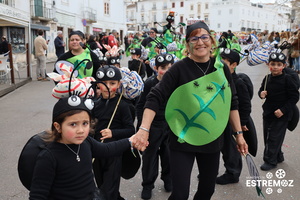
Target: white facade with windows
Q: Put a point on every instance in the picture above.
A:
(220, 15)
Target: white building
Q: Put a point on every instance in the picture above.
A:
(242, 15)
(220, 15)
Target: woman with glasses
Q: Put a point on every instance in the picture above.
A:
(201, 98)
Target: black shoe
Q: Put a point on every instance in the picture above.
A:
(146, 193)
(226, 179)
(168, 186)
(267, 167)
(280, 158)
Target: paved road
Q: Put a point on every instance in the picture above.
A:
(27, 111)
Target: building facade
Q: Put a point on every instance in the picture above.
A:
(220, 15)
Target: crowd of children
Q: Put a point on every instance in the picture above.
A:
(73, 143)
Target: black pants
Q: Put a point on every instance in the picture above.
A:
(108, 175)
(181, 168)
(231, 156)
(158, 148)
(274, 133)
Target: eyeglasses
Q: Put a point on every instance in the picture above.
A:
(151, 32)
(204, 38)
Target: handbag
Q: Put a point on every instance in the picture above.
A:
(295, 54)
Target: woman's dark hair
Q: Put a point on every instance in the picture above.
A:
(91, 38)
(53, 135)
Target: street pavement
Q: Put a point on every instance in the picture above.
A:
(27, 111)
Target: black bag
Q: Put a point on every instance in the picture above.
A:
(248, 83)
(28, 157)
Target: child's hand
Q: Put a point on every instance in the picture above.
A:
(263, 94)
(278, 113)
(106, 133)
(147, 62)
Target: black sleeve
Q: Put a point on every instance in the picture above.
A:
(115, 148)
(43, 176)
(141, 103)
(234, 98)
(96, 63)
(244, 101)
(127, 129)
(263, 85)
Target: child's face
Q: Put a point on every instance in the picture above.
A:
(134, 56)
(113, 86)
(161, 70)
(74, 129)
(276, 68)
(231, 66)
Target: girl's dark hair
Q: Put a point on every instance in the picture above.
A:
(53, 135)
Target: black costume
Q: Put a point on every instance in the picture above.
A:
(208, 155)
(283, 94)
(231, 156)
(56, 168)
(138, 66)
(158, 142)
(108, 170)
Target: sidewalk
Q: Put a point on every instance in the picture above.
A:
(21, 78)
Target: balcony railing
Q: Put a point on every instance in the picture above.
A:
(90, 15)
(8, 2)
(41, 10)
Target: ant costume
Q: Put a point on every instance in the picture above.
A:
(108, 170)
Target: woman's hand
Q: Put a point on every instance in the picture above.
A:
(242, 146)
(140, 140)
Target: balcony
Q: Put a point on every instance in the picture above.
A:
(90, 15)
(41, 11)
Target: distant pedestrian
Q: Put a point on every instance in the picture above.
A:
(40, 46)
(3, 45)
(59, 44)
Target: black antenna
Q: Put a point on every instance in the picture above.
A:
(73, 73)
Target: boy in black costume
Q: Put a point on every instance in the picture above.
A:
(231, 156)
(158, 141)
(111, 126)
(281, 94)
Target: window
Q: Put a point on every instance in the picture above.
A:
(8, 2)
(230, 25)
(106, 8)
(219, 25)
(181, 4)
(192, 7)
(219, 12)
(205, 18)
(173, 5)
(199, 8)
(154, 17)
(17, 38)
(230, 11)
(206, 6)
